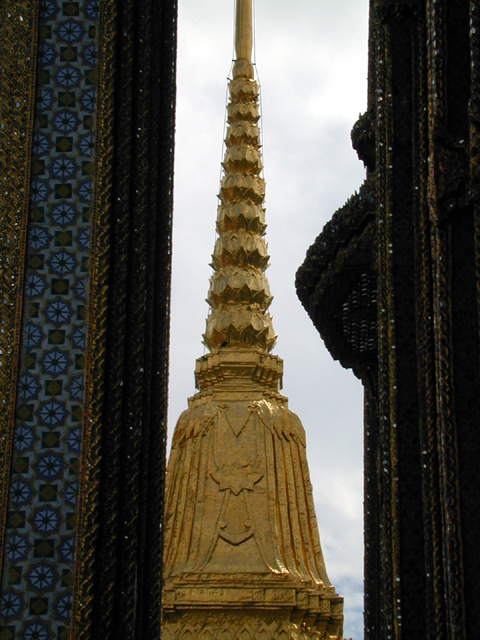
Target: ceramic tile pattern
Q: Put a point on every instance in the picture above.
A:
(40, 541)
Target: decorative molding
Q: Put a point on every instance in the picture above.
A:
(18, 51)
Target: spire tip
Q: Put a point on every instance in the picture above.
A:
(243, 30)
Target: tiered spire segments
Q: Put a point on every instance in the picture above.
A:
(239, 294)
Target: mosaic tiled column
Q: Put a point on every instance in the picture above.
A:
(63, 318)
(40, 533)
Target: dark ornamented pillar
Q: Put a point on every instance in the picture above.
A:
(420, 365)
(86, 165)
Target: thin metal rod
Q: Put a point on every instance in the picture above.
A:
(244, 30)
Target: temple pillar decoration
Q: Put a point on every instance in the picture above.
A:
(87, 106)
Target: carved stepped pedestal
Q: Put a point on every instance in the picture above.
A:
(242, 551)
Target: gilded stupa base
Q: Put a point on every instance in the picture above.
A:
(242, 554)
(249, 607)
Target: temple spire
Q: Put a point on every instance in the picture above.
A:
(239, 294)
(242, 552)
(243, 30)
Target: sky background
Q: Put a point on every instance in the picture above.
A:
(311, 58)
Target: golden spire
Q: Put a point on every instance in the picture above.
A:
(239, 294)
(242, 555)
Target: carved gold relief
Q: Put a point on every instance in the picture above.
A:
(248, 625)
(247, 462)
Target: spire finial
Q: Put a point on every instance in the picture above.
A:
(244, 30)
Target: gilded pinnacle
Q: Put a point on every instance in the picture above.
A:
(239, 294)
(243, 30)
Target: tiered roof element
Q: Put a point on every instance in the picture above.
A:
(239, 293)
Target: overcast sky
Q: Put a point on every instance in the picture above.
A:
(311, 58)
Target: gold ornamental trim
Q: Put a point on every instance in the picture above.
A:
(18, 52)
(87, 526)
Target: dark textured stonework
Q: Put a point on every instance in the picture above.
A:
(420, 268)
(86, 165)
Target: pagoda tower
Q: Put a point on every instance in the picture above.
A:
(242, 555)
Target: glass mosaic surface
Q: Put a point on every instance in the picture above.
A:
(40, 541)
